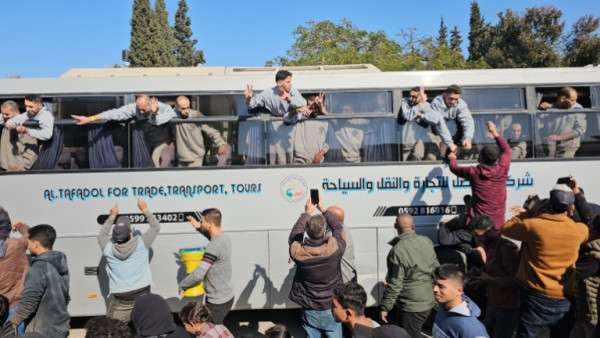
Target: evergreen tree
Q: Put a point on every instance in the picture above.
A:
(185, 52)
(478, 34)
(139, 48)
(583, 46)
(455, 40)
(530, 40)
(165, 41)
(442, 40)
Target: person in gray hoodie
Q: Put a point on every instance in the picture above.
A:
(44, 301)
(127, 260)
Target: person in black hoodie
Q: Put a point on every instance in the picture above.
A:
(151, 317)
(46, 295)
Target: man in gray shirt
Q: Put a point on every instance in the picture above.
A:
(37, 112)
(188, 136)
(452, 108)
(158, 135)
(279, 100)
(563, 132)
(418, 141)
(215, 268)
(18, 152)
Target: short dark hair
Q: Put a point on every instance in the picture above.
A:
(43, 233)
(315, 226)
(490, 153)
(282, 75)
(104, 327)
(4, 309)
(453, 89)
(566, 92)
(10, 104)
(34, 98)
(351, 295)
(213, 215)
(194, 313)
(481, 222)
(415, 89)
(277, 331)
(450, 271)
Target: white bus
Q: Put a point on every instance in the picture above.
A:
(260, 200)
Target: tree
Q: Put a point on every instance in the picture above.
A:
(139, 49)
(162, 37)
(479, 34)
(531, 40)
(583, 47)
(327, 43)
(442, 40)
(455, 40)
(185, 52)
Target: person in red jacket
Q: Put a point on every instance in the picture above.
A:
(488, 178)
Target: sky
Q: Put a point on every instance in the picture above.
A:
(44, 38)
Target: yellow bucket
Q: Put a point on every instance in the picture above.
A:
(191, 257)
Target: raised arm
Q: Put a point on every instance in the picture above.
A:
(466, 120)
(104, 235)
(150, 235)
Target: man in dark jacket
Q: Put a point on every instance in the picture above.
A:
(317, 260)
(46, 294)
(488, 179)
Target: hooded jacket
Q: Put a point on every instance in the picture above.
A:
(459, 322)
(46, 296)
(488, 185)
(128, 263)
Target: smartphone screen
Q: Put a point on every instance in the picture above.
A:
(314, 196)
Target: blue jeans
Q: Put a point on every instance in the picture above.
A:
(315, 323)
(538, 312)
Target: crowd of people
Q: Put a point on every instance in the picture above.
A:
(296, 138)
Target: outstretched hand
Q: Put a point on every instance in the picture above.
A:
(143, 206)
(81, 119)
(194, 222)
(154, 105)
(114, 211)
(492, 128)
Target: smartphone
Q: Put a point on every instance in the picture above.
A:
(563, 180)
(314, 196)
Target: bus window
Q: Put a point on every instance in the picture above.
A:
(251, 141)
(548, 94)
(354, 140)
(494, 98)
(596, 97)
(85, 106)
(553, 134)
(213, 143)
(359, 102)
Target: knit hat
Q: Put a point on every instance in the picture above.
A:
(561, 198)
(385, 331)
(151, 316)
(121, 230)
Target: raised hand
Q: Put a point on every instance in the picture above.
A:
(114, 211)
(194, 222)
(154, 105)
(492, 128)
(142, 205)
(248, 93)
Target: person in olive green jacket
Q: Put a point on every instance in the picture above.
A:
(410, 263)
